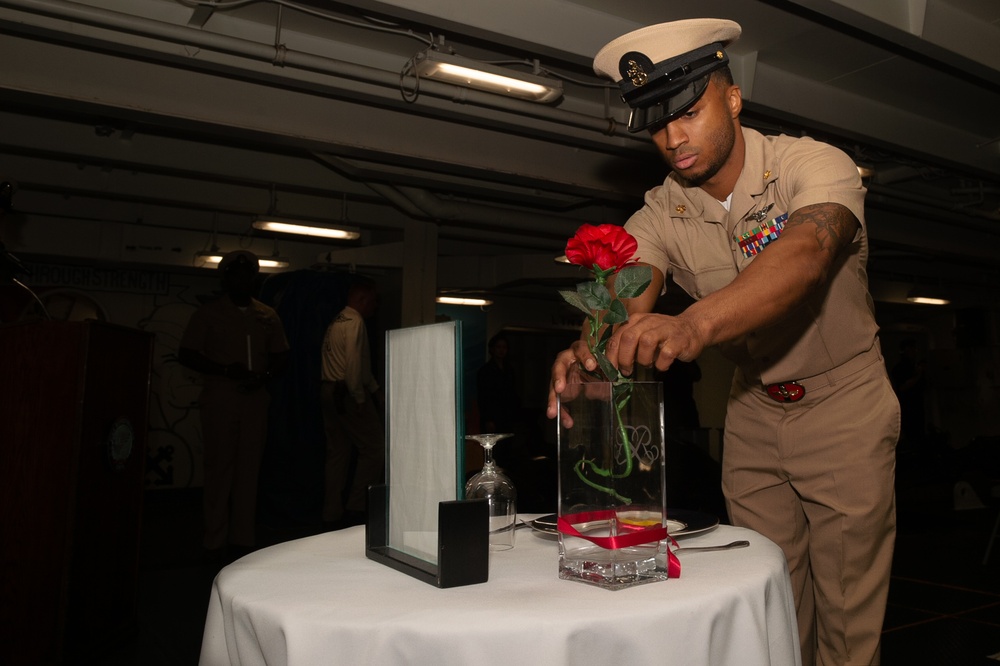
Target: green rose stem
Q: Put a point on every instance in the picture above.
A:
(625, 393)
(593, 244)
(606, 472)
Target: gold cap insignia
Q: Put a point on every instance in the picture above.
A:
(637, 74)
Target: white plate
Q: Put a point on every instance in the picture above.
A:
(675, 526)
(683, 523)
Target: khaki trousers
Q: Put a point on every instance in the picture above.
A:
(234, 431)
(817, 477)
(348, 426)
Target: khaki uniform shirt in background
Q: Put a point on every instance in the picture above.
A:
(226, 334)
(347, 355)
(689, 235)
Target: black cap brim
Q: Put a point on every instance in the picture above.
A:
(666, 110)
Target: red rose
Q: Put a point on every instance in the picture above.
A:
(607, 245)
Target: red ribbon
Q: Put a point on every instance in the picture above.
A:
(632, 535)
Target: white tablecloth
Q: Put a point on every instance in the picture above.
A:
(319, 600)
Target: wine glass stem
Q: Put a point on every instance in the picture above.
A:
(487, 457)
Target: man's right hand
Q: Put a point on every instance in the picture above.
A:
(577, 353)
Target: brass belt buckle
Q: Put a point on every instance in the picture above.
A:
(786, 391)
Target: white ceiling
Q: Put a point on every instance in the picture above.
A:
(142, 131)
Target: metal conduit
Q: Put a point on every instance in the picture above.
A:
(445, 212)
(112, 20)
(514, 240)
(419, 203)
(955, 212)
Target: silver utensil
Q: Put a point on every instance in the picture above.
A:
(728, 546)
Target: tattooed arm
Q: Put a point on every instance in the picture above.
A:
(788, 271)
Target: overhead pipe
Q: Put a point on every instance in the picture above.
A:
(515, 237)
(952, 212)
(421, 204)
(281, 56)
(516, 240)
(448, 211)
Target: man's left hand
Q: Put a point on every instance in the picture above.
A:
(649, 339)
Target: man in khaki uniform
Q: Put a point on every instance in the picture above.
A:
(768, 235)
(237, 343)
(352, 403)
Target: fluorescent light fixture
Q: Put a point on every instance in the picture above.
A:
(304, 228)
(924, 295)
(470, 73)
(207, 258)
(455, 300)
(212, 258)
(272, 262)
(927, 300)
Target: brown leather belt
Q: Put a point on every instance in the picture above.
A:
(793, 391)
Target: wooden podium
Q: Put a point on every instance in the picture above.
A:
(73, 414)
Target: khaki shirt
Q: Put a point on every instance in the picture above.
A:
(690, 236)
(226, 334)
(347, 354)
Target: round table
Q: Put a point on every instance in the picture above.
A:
(319, 600)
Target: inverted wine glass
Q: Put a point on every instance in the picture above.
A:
(496, 487)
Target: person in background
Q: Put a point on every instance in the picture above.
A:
(767, 234)
(352, 404)
(499, 402)
(237, 343)
(496, 389)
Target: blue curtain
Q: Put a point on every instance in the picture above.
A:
(291, 476)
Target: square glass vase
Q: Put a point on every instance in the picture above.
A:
(612, 484)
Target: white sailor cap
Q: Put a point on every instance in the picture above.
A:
(663, 69)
